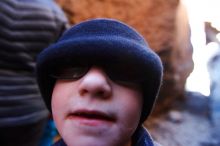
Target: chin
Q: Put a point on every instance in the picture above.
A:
(87, 142)
(91, 141)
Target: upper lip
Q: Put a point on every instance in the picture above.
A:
(92, 114)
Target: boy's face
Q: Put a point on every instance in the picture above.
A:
(96, 111)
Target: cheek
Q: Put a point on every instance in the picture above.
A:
(58, 96)
(62, 92)
(59, 100)
(133, 108)
(129, 105)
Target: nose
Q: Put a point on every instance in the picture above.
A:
(95, 84)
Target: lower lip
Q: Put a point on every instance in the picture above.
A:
(90, 122)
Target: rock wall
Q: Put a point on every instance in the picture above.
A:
(162, 23)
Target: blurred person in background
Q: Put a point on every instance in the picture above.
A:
(26, 27)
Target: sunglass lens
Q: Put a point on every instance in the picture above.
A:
(70, 73)
(124, 74)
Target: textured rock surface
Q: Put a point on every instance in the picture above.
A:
(163, 24)
(194, 127)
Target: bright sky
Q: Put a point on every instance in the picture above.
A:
(200, 11)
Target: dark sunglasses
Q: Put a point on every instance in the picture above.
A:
(115, 72)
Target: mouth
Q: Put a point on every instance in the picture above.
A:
(88, 115)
